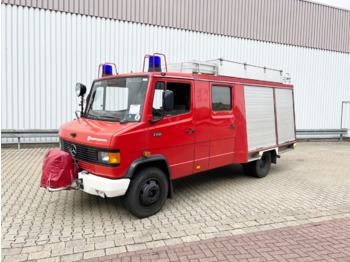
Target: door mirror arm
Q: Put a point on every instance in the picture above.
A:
(155, 121)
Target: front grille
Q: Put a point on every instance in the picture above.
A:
(84, 153)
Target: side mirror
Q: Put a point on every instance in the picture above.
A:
(168, 100)
(80, 89)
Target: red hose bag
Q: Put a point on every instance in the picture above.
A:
(59, 169)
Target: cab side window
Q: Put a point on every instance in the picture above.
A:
(157, 106)
(182, 98)
(221, 98)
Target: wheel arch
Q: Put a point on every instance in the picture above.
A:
(158, 161)
(274, 156)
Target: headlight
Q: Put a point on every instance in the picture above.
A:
(103, 157)
(80, 89)
(109, 157)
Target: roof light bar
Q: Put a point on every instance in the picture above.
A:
(155, 62)
(106, 69)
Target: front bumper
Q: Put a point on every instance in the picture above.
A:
(104, 187)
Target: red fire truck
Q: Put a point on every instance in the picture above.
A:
(140, 131)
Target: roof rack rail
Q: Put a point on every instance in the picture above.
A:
(223, 67)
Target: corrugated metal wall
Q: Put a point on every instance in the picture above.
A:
(346, 116)
(293, 22)
(45, 53)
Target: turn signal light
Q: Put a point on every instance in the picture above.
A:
(114, 158)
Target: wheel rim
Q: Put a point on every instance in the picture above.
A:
(150, 192)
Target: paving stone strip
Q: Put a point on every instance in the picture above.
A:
(323, 241)
(308, 185)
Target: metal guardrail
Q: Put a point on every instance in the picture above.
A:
(28, 133)
(32, 133)
(342, 112)
(323, 132)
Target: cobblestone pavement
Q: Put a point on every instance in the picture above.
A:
(308, 185)
(323, 241)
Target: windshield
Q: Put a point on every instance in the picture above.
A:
(117, 99)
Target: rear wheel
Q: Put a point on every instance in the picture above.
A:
(147, 192)
(259, 168)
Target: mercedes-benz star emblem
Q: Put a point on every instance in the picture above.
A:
(73, 150)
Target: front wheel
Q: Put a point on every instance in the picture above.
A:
(147, 192)
(259, 168)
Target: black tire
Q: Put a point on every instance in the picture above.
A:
(147, 192)
(259, 168)
(246, 168)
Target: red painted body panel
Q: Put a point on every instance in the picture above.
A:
(88, 129)
(202, 126)
(213, 144)
(221, 135)
(131, 143)
(117, 136)
(241, 146)
(174, 143)
(172, 139)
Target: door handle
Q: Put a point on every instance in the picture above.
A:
(190, 131)
(232, 126)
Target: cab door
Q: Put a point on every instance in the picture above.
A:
(222, 125)
(173, 134)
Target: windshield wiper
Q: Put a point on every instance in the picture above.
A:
(124, 121)
(91, 116)
(108, 118)
(103, 117)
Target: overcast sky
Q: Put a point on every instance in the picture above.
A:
(338, 3)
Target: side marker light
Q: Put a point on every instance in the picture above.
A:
(146, 153)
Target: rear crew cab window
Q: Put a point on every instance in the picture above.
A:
(182, 98)
(221, 98)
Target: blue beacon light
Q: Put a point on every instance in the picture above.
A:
(157, 64)
(107, 70)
